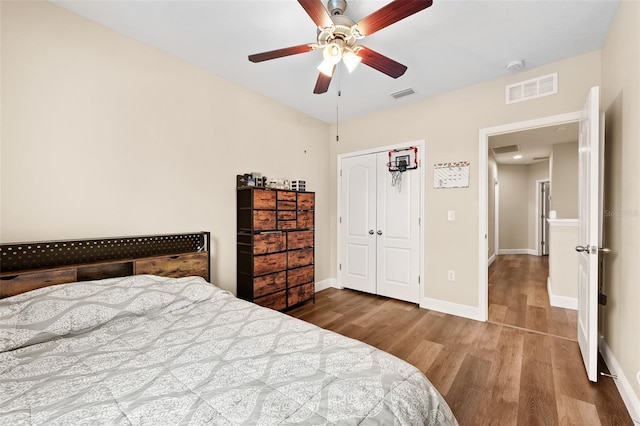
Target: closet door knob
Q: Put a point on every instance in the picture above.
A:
(379, 232)
(370, 231)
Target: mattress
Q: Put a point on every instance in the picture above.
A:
(164, 351)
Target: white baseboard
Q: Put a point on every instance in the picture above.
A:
(491, 260)
(465, 311)
(328, 283)
(532, 252)
(629, 397)
(561, 301)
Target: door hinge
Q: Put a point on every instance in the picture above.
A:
(340, 267)
(418, 279)
(602, 299)
(419, 222)
(340, 219)
(340, 172)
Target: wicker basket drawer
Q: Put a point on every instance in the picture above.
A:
(269, 284)
(302, 257)
(264, 220)
(306, 201)
(286, 205)
(269, 263)
(269, 243)
(287, 215)
(287, 224)
(264, 199)
(300, 293)
(300, 276)
(305, 219)
(277, 301)
(286, 196)
(299, 239)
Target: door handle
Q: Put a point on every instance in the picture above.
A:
(379, 232)
(370, 231)
(591, 250)
(604, 250)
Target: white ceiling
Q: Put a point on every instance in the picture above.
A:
(532, 143)
(449, 45)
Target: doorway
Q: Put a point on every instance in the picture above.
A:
(543, 207)
(484, 136)
(518, 286)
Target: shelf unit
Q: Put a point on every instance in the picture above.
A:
(31, 265)
(275, 246)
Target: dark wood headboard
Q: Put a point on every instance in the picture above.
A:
(31, 265)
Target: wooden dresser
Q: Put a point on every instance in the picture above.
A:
(275, 243)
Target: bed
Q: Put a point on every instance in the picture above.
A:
(164, 350)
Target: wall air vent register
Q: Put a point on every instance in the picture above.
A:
(531, 89)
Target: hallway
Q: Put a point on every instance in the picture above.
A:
(518, 297)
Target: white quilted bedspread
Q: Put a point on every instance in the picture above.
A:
(146, 350)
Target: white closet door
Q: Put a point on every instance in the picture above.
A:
(358, 205)
(398, 232)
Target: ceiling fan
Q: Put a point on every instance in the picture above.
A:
(338, 36)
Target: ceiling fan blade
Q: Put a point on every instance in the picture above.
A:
(279, 53)
(381, 63)
(317, 12)
(322, 84)
(390, 14)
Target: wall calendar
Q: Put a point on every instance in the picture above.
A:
(451, 175)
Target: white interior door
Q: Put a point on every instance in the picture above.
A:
(358, 223)
(546, 204)
(590, 225)
(398, 232)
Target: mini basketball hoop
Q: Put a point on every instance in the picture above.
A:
(401, 160)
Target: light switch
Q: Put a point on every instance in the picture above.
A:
(451, 215)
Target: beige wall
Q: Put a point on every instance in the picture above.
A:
(104, 136)
(450, 123)
(564, 179)
(517, 211)
(621, 103)
(513, 200)
(563, 261)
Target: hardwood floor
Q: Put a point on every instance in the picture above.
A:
(489, 374)
(518, 296)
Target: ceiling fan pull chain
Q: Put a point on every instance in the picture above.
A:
(338, 104)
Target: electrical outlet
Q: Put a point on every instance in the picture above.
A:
(451, 275)
(451, 215)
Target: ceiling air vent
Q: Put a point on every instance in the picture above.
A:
(402, 93)
(540, 158)
(531, 89)
(505, 149)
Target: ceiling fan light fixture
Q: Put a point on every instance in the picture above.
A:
(351, 60)
(326, 68)
(332, 53)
